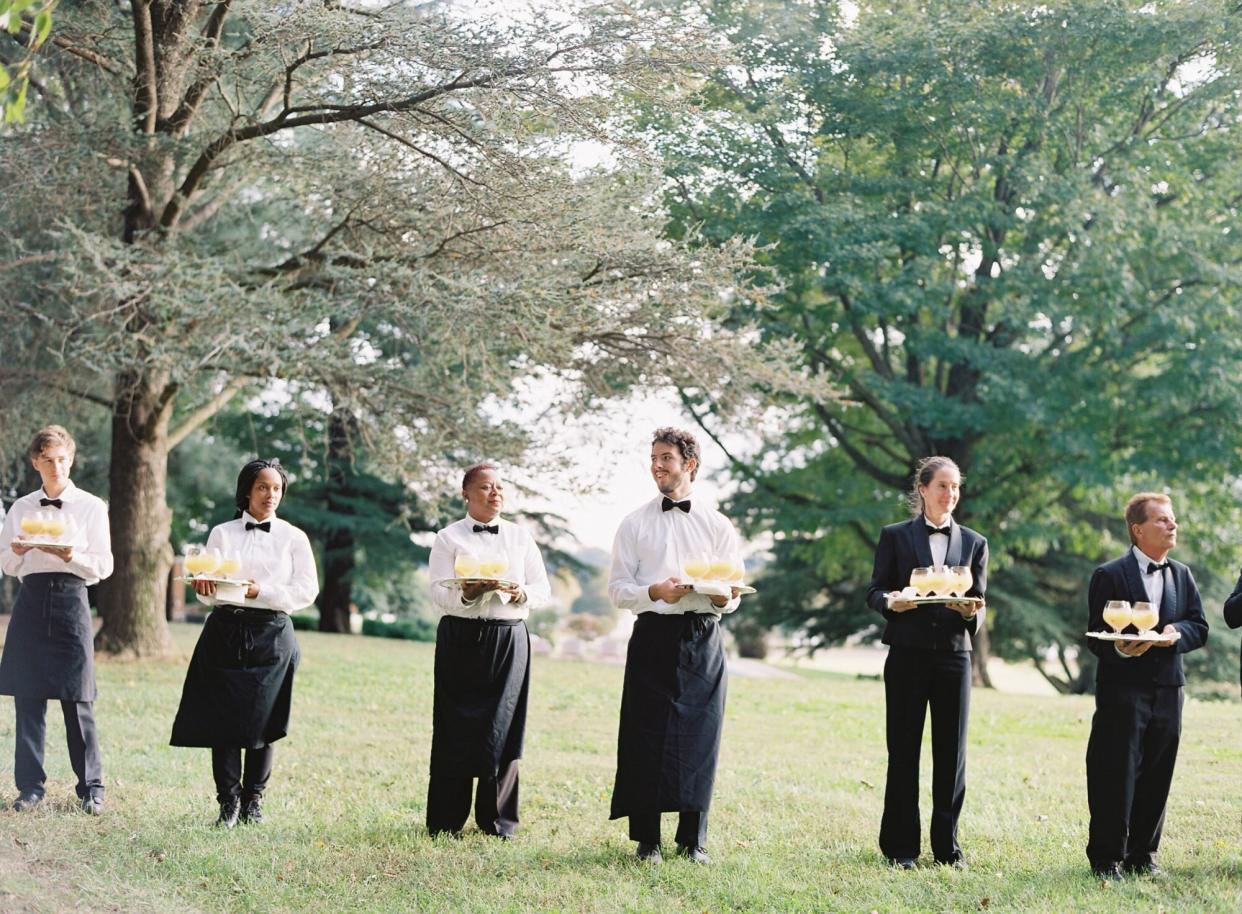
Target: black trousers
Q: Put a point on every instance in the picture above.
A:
(232, 779)
(1130, 756)
(80, 735)
(914, 680)
(691, 828)
(495, 802)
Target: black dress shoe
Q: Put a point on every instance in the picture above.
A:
(694, 854)
(27, 801)
(902, 863)
(92, 806)
(958, 863)
(1108, 872)
(649, 853)
(252, 810)
(229, 809)
(1149, 870)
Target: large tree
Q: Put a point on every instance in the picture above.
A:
(368, 206)
(1008, 233)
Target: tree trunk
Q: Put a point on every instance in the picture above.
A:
(174, 606)
(335, 600)
(132, 601)
(979, 659)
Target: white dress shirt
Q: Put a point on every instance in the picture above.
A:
(280, 562)
(525, 568)
(87, 531)
(653, 545)
(1153, 583)
(939, 544)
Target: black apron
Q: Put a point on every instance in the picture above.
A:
(672, 714)
(239, 685)
(482, 682)
(49, 649)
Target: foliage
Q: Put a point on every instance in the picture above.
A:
(29, 24)
(587, 626)
(1005, 233)
(370, 209)
(405, 629)
(593, 600)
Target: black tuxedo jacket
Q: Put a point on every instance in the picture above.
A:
(1120, 580)
(1233, 606)
(904, 547)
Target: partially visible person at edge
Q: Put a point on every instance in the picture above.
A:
(49, 650)
(482, 665)
(928, 664)
(1233, 610)
(1138, 693)
(673, 698)
(239, 685)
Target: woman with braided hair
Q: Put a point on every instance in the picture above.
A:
(239, 685)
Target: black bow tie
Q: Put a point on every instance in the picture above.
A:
(265, 526)
(1152, 567)
(492, 528)
(668, 504)
(54, 502)
(944, 531)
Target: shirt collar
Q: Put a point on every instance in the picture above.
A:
(67, 495)
(248, 518)
(931, 526)
(1143, 558)
(660, 496)
(494, 522)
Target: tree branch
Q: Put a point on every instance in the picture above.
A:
(319, 116)
(195, 419)
(184, 115)
(46, 379)
(422, 152)
(145, 90)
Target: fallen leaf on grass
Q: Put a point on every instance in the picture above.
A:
(983, 903)
(158, 856)
(20, 843)
(866, 783)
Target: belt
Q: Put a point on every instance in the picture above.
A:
(483, 620)
(240, 613)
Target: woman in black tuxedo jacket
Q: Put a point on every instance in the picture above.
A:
(928, 663)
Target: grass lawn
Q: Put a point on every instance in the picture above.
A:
(793, 827)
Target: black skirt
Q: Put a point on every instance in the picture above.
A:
(672, 715)
(49, 649)
(239, 686)
(482, 682)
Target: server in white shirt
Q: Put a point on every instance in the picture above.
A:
(49, 648)
(482, 668)
(673, 700)
(239, 685)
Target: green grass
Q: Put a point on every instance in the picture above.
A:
(797, 806)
